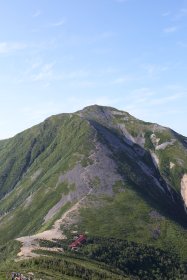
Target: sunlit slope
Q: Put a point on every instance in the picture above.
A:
(130, 173)
(31, 164)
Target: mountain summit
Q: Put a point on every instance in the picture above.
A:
(98, 170)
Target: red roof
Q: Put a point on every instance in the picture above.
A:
(81, 239)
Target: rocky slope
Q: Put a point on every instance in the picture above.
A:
(128, 178)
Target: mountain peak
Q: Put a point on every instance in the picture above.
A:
(100, 108)
(102, 114)
(129, 173)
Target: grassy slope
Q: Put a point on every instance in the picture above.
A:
(129, 217)
(55, 266)
(67, 145)
(55, 147)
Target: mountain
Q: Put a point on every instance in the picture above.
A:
(99, 171)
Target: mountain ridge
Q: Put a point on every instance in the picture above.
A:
(101, 119)
(119, 168)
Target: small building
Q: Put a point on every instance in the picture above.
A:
(79, 241)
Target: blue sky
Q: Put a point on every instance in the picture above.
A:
(62, 55)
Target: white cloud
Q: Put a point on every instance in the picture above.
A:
(36, 64)
(144, 99)
(142, 92)
(170, 29)
(182, 44)
(74, 75)
(177, 16)
(155, 105)
(181, 14)
(84, 84)
(166, 14)
(122, 80)
(154, 70)
(166, 99)
(9, 47)
(45, 74)
(58, 23)
(37, 13)
(106, 34)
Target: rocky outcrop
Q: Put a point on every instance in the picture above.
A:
(184, 189)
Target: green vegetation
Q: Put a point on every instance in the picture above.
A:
(8, 251)
(148, 143)
(65, 141)
(60, 266)
(127, 216)
(72, 267)
(178, 157)
(32, 165)
(134, 259)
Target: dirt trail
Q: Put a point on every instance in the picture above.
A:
(31, 243)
